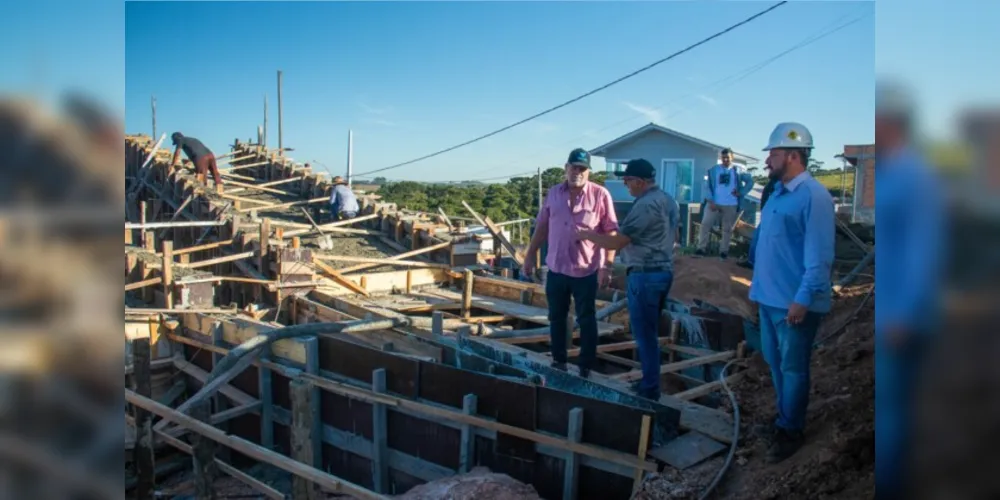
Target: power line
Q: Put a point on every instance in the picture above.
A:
(588, 94)
(729, 80)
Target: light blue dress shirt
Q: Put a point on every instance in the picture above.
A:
(911, 233)
(794, 251)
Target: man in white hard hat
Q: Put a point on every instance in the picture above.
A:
(912, 214)
(791, 280)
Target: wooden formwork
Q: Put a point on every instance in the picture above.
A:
(385, 410)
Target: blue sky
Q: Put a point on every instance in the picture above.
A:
(411, 78)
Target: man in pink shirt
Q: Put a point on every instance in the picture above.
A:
(576, 268)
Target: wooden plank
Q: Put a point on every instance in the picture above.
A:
(497, 233)
(467, 294)
(144, 283)
(386, 262)
(643, 449)
(239, 475)
(459, 417)
(161, 225)
(217, 260)
(168, 274)
(512, 309)
(688, 450)
(467, 445)
(571, 475)
(707, 388)
(419, 251)
(380, 435)
(680, 365)
(143, 449)
(339, 278)
(302, 431)
(205, 470)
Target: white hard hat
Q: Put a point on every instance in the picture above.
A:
(790, 135)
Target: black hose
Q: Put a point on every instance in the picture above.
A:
(736, 433)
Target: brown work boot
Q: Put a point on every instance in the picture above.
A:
(785, 444)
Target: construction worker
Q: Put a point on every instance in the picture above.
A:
(791, 281)
(199, 154)
(646, 238)
(343, 202)
(576, 268)
(912, 233)
(725, 185)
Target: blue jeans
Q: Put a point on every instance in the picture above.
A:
(896, 378)
(559, 288)
(788, 350)
(647, 295)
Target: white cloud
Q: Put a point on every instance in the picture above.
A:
(653, 115)
(708, 99)
(375, 110)
(379, 121)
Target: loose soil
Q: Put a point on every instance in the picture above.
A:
(837, 461)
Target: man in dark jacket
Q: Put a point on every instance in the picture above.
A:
(199, 154)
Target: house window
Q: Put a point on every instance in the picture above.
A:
(614, 168)
(677, 179)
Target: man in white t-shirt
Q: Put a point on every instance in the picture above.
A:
(726, 184)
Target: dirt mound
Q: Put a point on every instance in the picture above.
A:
(838, 459)
(721, 283)
(479, 483)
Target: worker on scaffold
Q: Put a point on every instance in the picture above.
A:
(199, 154)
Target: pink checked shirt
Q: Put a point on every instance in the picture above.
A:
(592, 210)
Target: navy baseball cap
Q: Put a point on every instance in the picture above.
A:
(639, 168)
(579, 157)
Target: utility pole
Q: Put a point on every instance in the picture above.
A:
(264, 141)
(541, 200)
(350, 158)
(152, 102)
(281, 144)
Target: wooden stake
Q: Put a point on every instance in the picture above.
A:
(301, 437)
(149, 241)
(467, 295)
(467, 444)
(571, 480)
(265, 235)
(643, 449)
(409, 281)
(168, 274)
(380, 435)
(205, 468)
(141, 383)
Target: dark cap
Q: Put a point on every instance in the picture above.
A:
(639, 168)
(176, 137)
(579, 157)
(726, 151)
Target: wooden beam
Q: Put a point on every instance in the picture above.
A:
(239, 475)
(205, 470)
(467, 294)
(144, 283)
(361, 267)
(284, 205)
(643, 449)
(385, 262)
(680, 365)
(332, 225)
(217, 260)
(339, 278)
(161, 225)
(302, 431)
(460, 417)
(167, 273)
(324, 480)
(198, 248)
(497, 233)
(257, 187)
(143, 451)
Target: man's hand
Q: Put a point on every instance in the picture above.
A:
(584, 234)
(604, 276)
(712, 206)
(529, 264)
(796, 314)
(736, 192)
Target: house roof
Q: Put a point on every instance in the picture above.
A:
(600, 150)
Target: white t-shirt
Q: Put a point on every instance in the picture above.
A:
(726, 179)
